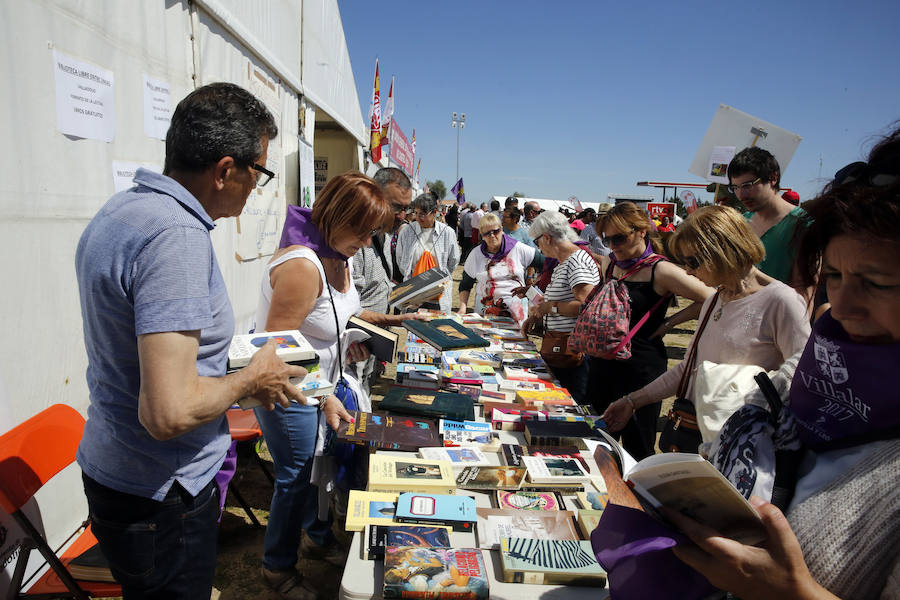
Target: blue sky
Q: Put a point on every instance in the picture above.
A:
(587, 98)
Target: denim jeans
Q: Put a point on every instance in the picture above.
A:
(291, 438)
(164, 550)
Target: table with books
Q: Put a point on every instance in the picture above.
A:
(482, 482)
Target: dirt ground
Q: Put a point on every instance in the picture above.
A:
(241, 542)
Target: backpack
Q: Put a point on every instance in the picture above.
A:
(602, 328)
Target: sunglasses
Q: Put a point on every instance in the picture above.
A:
(616, 240)
(733, 188)
(491, 232)
(691, 262)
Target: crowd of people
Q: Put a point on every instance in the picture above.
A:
(158, 322)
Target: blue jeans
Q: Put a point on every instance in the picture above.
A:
(291, 438)
(164, 550)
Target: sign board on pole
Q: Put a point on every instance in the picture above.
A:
(689, 200)
(401, 149)
(733, 129)
(661, 209)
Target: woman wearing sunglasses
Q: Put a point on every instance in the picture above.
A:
(626, 231)
(753, 319)
(495, 268)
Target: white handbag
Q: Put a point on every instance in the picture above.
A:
(719, 390)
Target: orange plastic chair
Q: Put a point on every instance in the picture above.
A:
(30, 455)
(244, 427)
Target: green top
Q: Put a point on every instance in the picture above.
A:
(780, 254)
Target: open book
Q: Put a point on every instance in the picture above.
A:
(419, 289)
(687, 483)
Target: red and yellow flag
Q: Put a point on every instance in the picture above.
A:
(375, 121)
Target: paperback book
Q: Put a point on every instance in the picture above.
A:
(588, 521)
(469, 433)
(419, 289)
(461, 456)
(457, 512)
(529, 500)
(419, 355)
(292, 347)
(446, 334)
(480, 357)
(435, 573)
(396, 474)
(428, 403)
(377, 537)
(370, 508)
(544, 398)
(555, 470)
(497, 523)
(547, 561)
(491, 478)
(390, 432)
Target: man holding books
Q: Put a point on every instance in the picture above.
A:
(157, 327)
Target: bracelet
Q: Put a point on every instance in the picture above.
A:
(631, 402)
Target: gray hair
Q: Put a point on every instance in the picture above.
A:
(393, 175)
(554, 224)
(425, 203)
(489, 220)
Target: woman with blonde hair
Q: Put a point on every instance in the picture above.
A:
(651, 282)
(752, 319)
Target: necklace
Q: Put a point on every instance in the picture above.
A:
(743, 290)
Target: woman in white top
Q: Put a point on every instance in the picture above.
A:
(307, 286)
(754, 319)
(495, 268)
(426, 234)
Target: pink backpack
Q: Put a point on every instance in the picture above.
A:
(602, 328)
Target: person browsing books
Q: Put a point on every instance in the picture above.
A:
(307, 286)
(495, 268)
(157, 326)
(842, 529)
(428, 243)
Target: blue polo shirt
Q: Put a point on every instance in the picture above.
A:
(145, 264)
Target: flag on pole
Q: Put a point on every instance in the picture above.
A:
(576, 203)
(375, 121)
(386, 115)
(419, 166)
(414, 142)
(459, 191)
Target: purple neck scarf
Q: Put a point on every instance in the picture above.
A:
(627, 264)
(506, 244)
(838, 390)
(300, 230)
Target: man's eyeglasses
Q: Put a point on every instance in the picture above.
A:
(422, 214)
(263, 175)
(691, 262)
(491, 232)
(733, 188)
(616, 240)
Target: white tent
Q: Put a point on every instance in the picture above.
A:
(548, 204)
(143, 57)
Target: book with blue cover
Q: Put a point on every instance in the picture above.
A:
(446, 334)
(457, 512)
(435, 573)
(377, 537)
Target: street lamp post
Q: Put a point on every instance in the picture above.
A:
(458, 122)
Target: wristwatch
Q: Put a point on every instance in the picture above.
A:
(554, 308)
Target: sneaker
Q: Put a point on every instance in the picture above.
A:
(331, 553)
(290, 585)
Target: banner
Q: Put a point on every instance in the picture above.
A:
(459, 191)
(401, 149)
(661, 209)
(375, 120)
(689, 200)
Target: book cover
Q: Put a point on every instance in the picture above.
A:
(593, 500)
(434, 573)
(428, 403)
(469, 433)
(480, 357)
(544, 561)
(461, 376)
(512, 454)
(554, 470)
(526, 373)
(392, 473)
(390, 432)
(472, 391)
(460, 456)
(419, 289)
(292, 347)
(512, 419)
(516, 385)
(382, 342)
(588, 521)
(370, 508)
(545, 397)
(529, 500)
(422, 355)
(557, 433)
(458, 512)
(377, 537)
(497, 523)
(446, 334)
(91, 565)
(491, 478)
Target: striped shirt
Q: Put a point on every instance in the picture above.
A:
(578, 268)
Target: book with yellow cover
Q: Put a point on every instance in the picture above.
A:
(370, 508)
(401, 474)
(546, 397)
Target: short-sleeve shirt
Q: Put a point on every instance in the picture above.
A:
(780, 255)
(145, 264)
(577, 269)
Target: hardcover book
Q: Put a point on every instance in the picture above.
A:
(529, 500)
(370, 508)
(382, 342)
(457, 512)
(569, 562)
(554, 470)
(392, 473)
(419, 289)
(497, 523)
(461, 456)
(557, 433)
(292, 347)
(435, 573)
(512, 454)
(491, 478)
(428, 403)
(377, 537)
(391, 432)
(446, 334)
(544, 398)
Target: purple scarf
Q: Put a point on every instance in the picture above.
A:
(839, 388)
(628, 263)
(300, 230)
(506, 244)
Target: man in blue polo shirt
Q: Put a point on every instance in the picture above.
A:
(157, 326)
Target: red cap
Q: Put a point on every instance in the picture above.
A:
(791, 196)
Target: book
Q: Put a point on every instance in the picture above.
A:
(459, 456)
(382, 342)
(469, 433)
(428, 403)
(491, 478)
(529, 500)
(292, 347)
(559, 452)
(526, 373)
(513, 419)
(480, 357)
(370, 508)
(544, 398)
(381, 430)
(544, 561)
(91, 565)
(497, 523)
(461, 376)
(435, 573)
(554, 470)
(446, 334)
(414, 355)
(593, 500)
(512, 454)
(419, 289)
(588, 521)
(391, 473)
(313, 386)
(557, 433)
(418, 376)
(457, 512)
(518, 384)
(377, 537)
